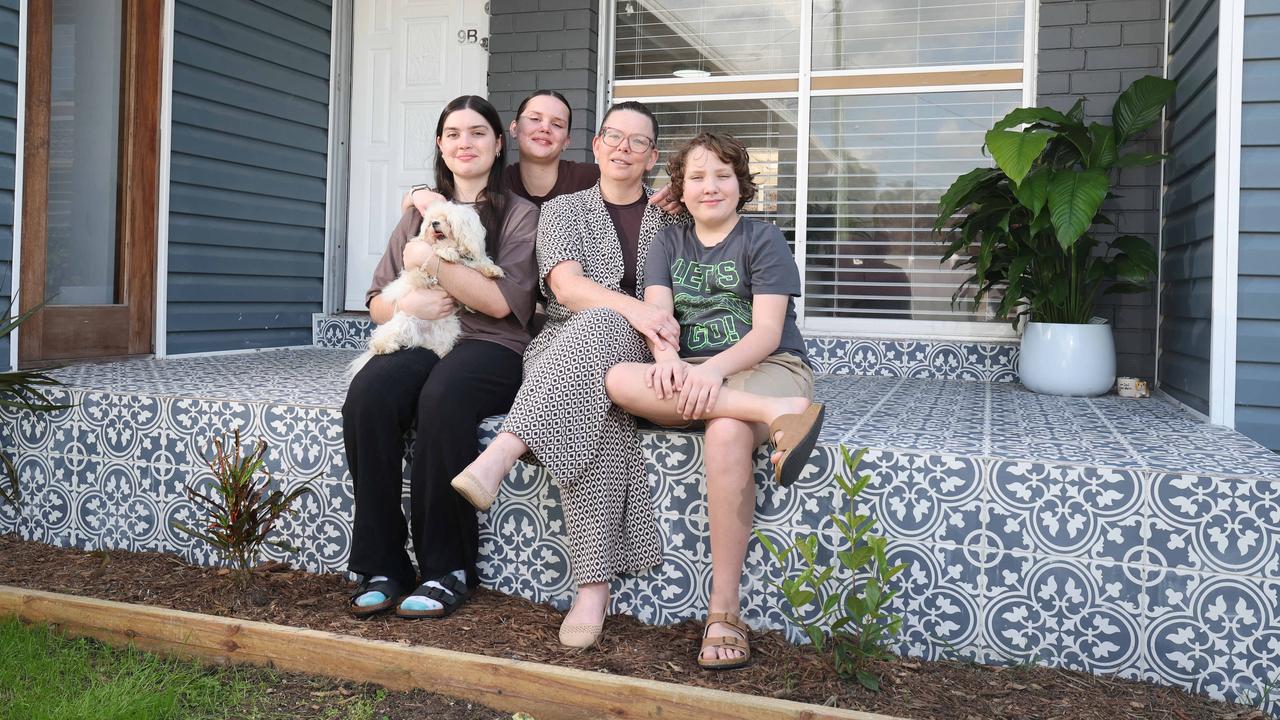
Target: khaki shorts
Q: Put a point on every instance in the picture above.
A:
(780, 375)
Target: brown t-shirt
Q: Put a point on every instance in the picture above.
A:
(570, 178)
(626, 220)
(519, 285)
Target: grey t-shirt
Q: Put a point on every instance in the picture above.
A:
(713, 286)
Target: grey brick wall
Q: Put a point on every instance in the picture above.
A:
(547, 44)
(1095, 48)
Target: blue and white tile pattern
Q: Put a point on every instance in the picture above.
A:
(878, 357)
(1109, 535)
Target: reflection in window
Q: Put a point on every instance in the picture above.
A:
(700, 38)
(878, 165)
(766, 127)
(84, 120)
(857, 34)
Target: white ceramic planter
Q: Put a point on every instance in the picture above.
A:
(1062, 359)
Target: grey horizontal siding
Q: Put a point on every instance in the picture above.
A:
(1187, 260)
(1258, 289)
(8, 149)
(247, 173)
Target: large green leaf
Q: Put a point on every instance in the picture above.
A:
(1139, 249)
(1102, 154)
(960, 189)
(1014, 152)
(1077, 110)
(1033, 191)
(1074, 198)
(1140, 105)
(1026, 116)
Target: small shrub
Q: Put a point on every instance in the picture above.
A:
(241, 511)
(22, 390)
(860, 628)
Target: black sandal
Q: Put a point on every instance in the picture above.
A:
(455, 593)
(391, 591)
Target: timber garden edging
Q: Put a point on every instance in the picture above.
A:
(545, 691)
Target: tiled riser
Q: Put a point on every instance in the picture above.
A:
(1167, 577)
(943, 360)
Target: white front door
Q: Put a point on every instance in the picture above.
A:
(409, 59)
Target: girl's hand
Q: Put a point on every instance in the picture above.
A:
(699, 392)
(418, 254)
(665, 202)
(666, 377)
(654, 323)
(427, 304)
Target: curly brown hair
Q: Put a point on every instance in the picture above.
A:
(725, 147)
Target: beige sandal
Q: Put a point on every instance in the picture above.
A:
(725, 641)
(470, 488)
(799, 435)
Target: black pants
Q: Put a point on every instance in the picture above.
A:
(447, 398)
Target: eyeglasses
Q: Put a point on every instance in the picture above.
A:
(637, 143)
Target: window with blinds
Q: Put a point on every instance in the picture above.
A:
(861, 34)
(878, 164)
(853, 158)
(656, 39)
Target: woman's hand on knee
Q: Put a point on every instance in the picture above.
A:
(428, 304)
(699, 392)
(665, 377)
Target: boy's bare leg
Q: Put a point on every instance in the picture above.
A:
(625, 384)
(731, 500)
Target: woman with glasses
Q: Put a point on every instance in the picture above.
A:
(591, 253)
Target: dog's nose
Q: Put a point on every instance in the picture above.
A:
(435, 224)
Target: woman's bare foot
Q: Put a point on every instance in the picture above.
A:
(590, 605)
(496, 461)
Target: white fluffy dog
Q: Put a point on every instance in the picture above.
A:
(458, 236)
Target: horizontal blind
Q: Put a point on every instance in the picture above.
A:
(659, 39)
(766, 127)
(865, 34)
(878, 164)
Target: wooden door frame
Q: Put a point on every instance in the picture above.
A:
(63, 332)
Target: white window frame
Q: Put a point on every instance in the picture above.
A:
(859, 327)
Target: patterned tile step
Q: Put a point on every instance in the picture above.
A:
(1156, 565)
(883, 357)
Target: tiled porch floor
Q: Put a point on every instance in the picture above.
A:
(1109, 535)
(994, 420)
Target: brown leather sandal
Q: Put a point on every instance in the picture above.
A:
(799, 435)
(725, 641)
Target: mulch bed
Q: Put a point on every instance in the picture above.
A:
(502, 626)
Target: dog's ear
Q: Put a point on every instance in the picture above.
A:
(468, 229)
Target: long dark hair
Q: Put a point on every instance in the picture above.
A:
(548, 93)
(491, 203)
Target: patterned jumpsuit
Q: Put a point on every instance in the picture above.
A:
(562, 411)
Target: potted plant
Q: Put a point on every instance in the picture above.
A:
(1025, 229)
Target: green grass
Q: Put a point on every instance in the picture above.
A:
(44, 676)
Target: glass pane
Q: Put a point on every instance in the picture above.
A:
(859, 34)
(84, 121)
(766, 127)
(702, 38)
(878, 164)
